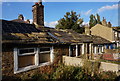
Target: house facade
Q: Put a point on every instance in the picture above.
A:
(30, 46)
(108, 33)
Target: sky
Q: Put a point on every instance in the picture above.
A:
(53, 11)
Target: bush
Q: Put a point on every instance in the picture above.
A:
(61, 72)
(64, 72)
(109, 75)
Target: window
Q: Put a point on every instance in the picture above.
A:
(44, 55)
(30, 58)
(44, 50)
(26, 53)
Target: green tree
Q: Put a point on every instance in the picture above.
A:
(71, 21)
(98, 19)
(94, 20)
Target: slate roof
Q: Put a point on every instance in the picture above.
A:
(70, 36)
(118, 30)
(23, 33)
(20, 21)
(99, 40)
(28, 33)
(15, 27)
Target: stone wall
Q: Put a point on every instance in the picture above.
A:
(61, 49)
(79, 62)
(72, 61)
(8, 61)
(110, 67)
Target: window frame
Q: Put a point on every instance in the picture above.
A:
(37, 64)
(40, 64)
(23, 54)
(44, 51)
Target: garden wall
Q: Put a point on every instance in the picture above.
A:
(79, 62)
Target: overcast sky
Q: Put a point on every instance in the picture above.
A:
(56, 10)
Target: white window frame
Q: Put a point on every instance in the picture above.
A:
(16, 55)
(36, 52)
(31, 53)
(45, 51)
(51, 55)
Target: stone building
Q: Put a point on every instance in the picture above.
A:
(109, 33)
(30, 46)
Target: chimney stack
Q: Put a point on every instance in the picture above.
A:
(28, 21)
(38, 14)
(21, 17)
(104, 23)
(87, 30)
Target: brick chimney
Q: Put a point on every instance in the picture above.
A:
(38, 14)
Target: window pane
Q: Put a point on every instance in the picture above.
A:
(44, 57)
(24, 61)
(44, 49)
(22, 51)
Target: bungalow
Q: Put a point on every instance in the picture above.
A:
(28, 46)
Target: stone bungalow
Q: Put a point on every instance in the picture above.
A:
(29, 46)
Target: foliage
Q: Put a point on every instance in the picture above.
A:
(71, 73)
(71, 21)
(61, 72)
(94, 20)
(91, 67)
(109, 75)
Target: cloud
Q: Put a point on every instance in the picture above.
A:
(48, 24)
(51, 24)
(88, 12)
(85, 23)
(115, 6)
(31, 21)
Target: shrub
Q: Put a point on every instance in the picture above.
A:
(64, 72)
(109, 75)
(61, 72)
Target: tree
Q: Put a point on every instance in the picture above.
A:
(98, 19)
(71, 21)
(94, 20)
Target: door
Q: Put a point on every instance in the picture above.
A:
(79, 50)
(73, 48)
